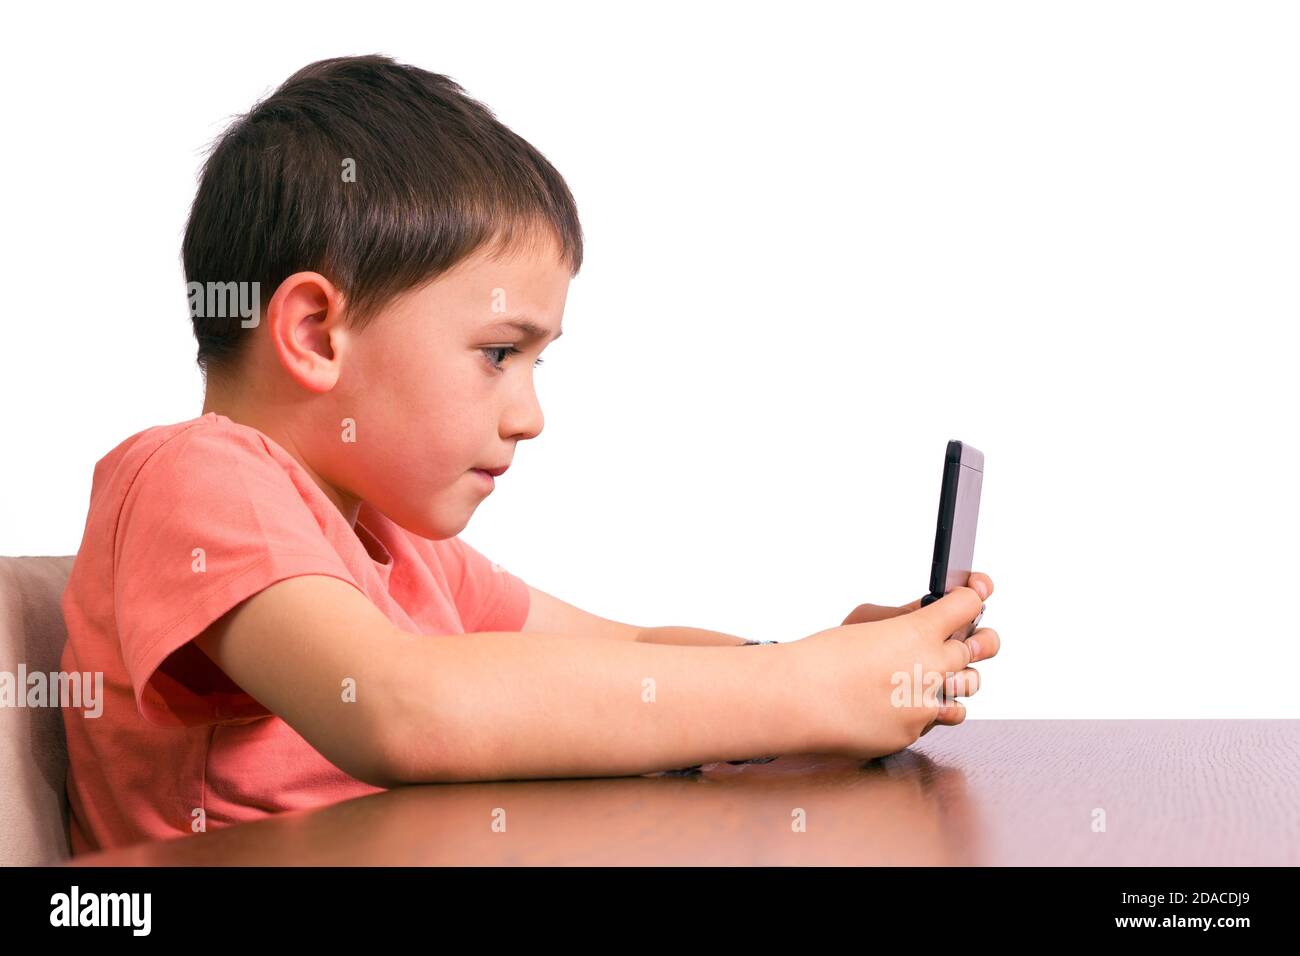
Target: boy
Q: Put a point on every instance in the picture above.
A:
(276, 591)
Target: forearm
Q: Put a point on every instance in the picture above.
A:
(502, 705)
(692, 636)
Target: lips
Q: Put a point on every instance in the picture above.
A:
(494, 472)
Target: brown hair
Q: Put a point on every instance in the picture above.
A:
(436, 178)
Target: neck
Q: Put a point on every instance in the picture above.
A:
(280, 424)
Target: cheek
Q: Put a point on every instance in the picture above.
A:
(433, 424)
(449, 408)
(426, 411)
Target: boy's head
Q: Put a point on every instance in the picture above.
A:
(386, 238)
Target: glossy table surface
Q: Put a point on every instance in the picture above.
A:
(987, 792)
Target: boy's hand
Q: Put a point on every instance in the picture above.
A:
(955, 712)
(866, 613)
(864, 657)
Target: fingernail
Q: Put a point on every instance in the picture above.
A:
(974, 646)
(982, 589)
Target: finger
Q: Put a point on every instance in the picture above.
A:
(983, 644)
(949, 715)
(980, 646)
(962, 683)
(952, 612)
(866, 613)
(952, 714)
(982, 583)
(957, 655)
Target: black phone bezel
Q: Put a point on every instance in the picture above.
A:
(945, 522)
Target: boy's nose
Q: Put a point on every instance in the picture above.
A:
(523, 419)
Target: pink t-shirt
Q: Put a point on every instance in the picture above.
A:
(186, 521)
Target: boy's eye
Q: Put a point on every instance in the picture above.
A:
(491, 351)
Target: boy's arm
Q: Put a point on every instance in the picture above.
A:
(548, 613)
(493, 706)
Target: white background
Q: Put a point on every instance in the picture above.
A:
(822, 240)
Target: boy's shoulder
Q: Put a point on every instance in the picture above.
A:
(203, 445)
(190, 441)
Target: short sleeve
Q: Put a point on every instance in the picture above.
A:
(487, 596)
(210, 519)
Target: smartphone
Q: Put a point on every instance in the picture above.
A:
(954, 536)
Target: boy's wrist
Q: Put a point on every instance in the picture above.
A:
(801, 687)
(814, 692)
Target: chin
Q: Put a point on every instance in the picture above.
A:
(436, 525)
(442, 526)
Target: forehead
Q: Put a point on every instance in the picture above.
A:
(523, 289)
(524, 324)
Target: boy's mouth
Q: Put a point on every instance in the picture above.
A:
(488, 475)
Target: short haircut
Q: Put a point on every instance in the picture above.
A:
(435, 178)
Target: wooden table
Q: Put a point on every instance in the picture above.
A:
(987, 792)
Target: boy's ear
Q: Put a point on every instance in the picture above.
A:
(305, 322)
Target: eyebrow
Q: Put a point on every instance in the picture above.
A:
(527, 326)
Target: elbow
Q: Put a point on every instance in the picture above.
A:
(373, 755)
(409, 734)
(395, 764)
(408, 753)
(375, 771)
